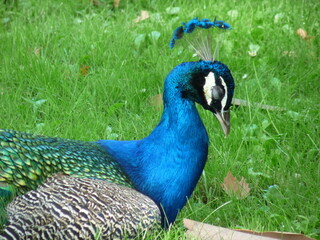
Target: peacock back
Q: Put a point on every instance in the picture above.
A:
(26, 160)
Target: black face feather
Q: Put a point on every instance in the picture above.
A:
(197, 82)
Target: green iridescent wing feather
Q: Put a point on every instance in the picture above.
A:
(26, 160)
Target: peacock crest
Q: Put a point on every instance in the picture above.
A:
(200, 41)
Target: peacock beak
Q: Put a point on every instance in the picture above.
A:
(224, 120)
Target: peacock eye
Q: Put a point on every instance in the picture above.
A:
(217, 93)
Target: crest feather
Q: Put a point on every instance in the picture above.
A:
(201, 43)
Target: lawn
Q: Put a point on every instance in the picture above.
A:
(87, 71)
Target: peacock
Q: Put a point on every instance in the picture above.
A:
(70, 189)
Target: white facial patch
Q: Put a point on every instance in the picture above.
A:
(224, 99)
(209, 84)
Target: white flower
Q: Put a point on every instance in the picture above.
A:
(254, 48)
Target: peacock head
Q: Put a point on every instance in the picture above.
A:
(208, 81)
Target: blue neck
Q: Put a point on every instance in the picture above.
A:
(167, 164)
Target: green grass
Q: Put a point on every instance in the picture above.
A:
(43, 45)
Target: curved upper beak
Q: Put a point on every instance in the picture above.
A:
(224, 120)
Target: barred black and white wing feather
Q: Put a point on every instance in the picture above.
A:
(67, 207)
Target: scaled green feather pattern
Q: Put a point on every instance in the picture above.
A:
(26, 160)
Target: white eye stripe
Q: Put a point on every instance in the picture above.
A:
(224, 99)
(210, 82)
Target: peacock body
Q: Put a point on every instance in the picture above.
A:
(165, 166)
